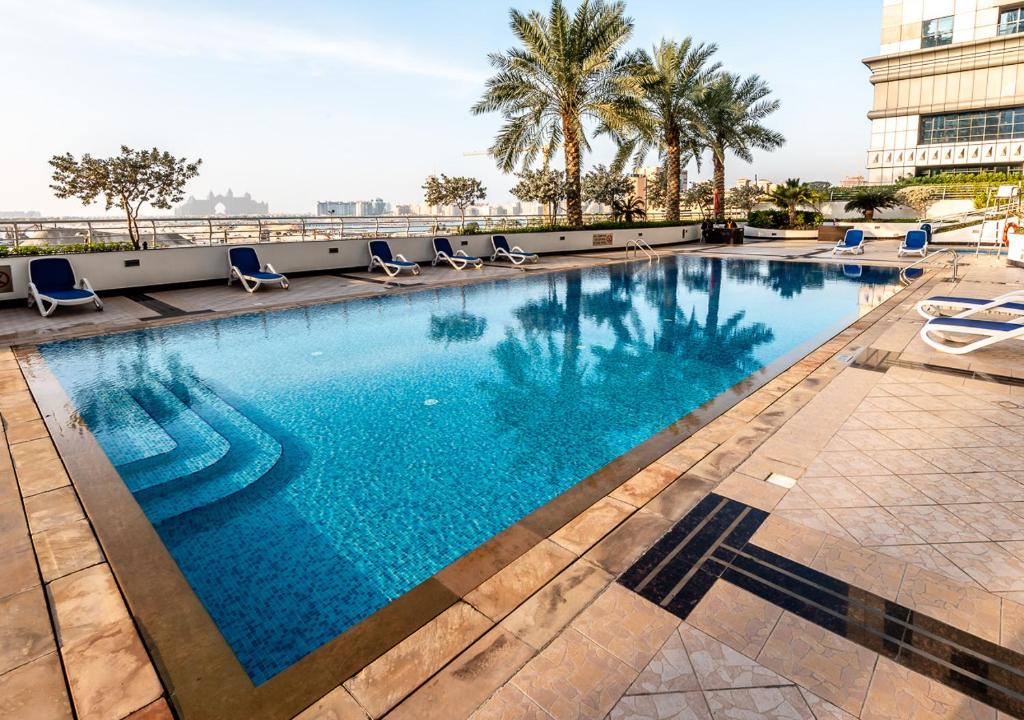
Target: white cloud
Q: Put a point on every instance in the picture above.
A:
(213, 36)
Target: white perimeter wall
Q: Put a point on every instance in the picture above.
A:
(107, 271)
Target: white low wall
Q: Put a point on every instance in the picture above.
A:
(107, 271)
(755, 234)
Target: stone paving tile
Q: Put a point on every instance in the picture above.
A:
(587, 528)
(628, 541)
(797, 499)
(881, 420)
(904, 462)
(17, 569)
(991, 566)
(996, 458)
(927, 557)
(898, 693)
(668, 671)
(996, 486)
(935, 524)
(645, 485)
(26, 431)
(38, 467)
(509, 703)
(110, 674)
(66, 549)
(35, 691)
(1011, 626)
(850, 464)
(890, 490)
(834, 492)
(781, 703)
(968, 608)
(787, 538)
(679, 498)
(862, 568)
(950, 460)
(335, 705)
(573, 678)
(25, 632)
(155, 711)
(875, 526)
(830, 666)
(951, 437)
(468, 681)
(822, 709)
(735, 617)
(501, 593)
(52, 509)
(687, 454)
(85, 603)
(757, 493)
(13, 528)
(945, 489)
(671, 706)
(992, 519)
(389, 678)
(627, 625)
(818, 520)
(892, 404)
(868, 440)
(719, 667)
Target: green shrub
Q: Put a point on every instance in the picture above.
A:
(987, 178)
(472, 228)
(73, 249)
(779, 220)
(603, 225)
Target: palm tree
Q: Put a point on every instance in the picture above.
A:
(629, 209)
(567, 70)
(791, 195)
(729, 115)
(671, 80)
(869, 199)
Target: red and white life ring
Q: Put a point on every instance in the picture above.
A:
(1006, 232)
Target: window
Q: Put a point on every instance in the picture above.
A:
(937, 32)
(1011, 21)
(972, 126)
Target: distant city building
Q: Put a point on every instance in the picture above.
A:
(764, 185)
(354, 208)
(852, 181)
(226, 204)
(949, 89)
(16, 214)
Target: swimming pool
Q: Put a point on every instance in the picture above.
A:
(306, 467)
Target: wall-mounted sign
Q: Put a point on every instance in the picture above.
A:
(602, 239)
(6, 279)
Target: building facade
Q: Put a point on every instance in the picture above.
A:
(948, 89)
(227, 204)
(354, 208)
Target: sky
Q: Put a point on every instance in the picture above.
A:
(313, 100)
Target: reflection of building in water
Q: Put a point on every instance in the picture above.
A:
(226, 204)
(871, 296)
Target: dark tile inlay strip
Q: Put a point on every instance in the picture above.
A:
(163, 310)
(712, 543)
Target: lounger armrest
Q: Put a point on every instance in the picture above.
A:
(517, 249)
(401, 257)
(270, 269)
(83, 284)
(461, 252)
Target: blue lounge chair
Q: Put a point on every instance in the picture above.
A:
(916, 241)
(244, 266)
(852, 242)
(1011, 303)
(380, 255)
(853, 271)
(458, 259)
(941, 333)
(928, 229)
(514, 254)
(52, 282)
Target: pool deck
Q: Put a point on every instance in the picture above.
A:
(907, 512)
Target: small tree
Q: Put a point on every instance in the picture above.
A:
(657, 189)
(458, 191)
(868, 200)
(629, 209)
(919, 197)
(744, 197)
(543, 186)
(127, 181)
(605, 186)
(791, 195)
(701, 196)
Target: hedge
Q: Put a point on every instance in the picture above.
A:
(74, 248)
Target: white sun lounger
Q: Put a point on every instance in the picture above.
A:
(937, 334)
(1011, 303)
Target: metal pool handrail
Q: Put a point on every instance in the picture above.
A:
(954, 261)
(639, 245)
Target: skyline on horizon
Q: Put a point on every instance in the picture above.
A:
(341, 102)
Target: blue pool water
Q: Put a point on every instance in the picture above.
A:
(306, 467)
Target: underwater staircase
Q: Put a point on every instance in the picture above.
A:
(217, 451)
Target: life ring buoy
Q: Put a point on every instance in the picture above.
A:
(1006, 232)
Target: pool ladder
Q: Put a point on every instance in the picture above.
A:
(639, 245)
(953, 259)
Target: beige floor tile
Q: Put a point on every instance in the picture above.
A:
(890, 490)
(668, 671)
(927, 557)
(671, 706)
(880, 420)
(868, 440)
(500, 594)
(900, 694)
(159, 710)
(951, 460)
(735, 617)
(835, 492)
(110, 674)
(997, 458)
(850, 464)
(815, 519)
(389, 678)
(780, 703)
(17, 569)
(35, 691)
(468, 681)
(574, 679)
(628, 541)
(935, 524)
(645, 485)
(1011, 627)
(679, 498)
(687, 454)
(822, 709)
(719, 667)
(991, 519)
(52, 509)
(830, 666)
(509, 703)
(625, 624)
(25, 631)
(38, 467)
(335, 705)
(26, 431)
(757, 493)
(85, 603)
(797, 499)
(996, 486)
(585, 530)
(859, 567)
(13, 527)
(66, 549)
(787, 538)
(942, 488)
(962, 606)
(991, 566)
(874, 526)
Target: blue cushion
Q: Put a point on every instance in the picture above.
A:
(500, 243)
(381, 249)
(975, 324)
(245, 260)
(853, 238)
(442, 245)
(400, 263)
(51, 275)
(939, 299)
(915, 240)
(263, 276)
(67, 294)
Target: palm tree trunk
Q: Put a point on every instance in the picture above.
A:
(573, 201)
(869, 214)
(792, 215)
(672, 176)
(719, 175)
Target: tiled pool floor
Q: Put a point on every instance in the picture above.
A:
(908, 482)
